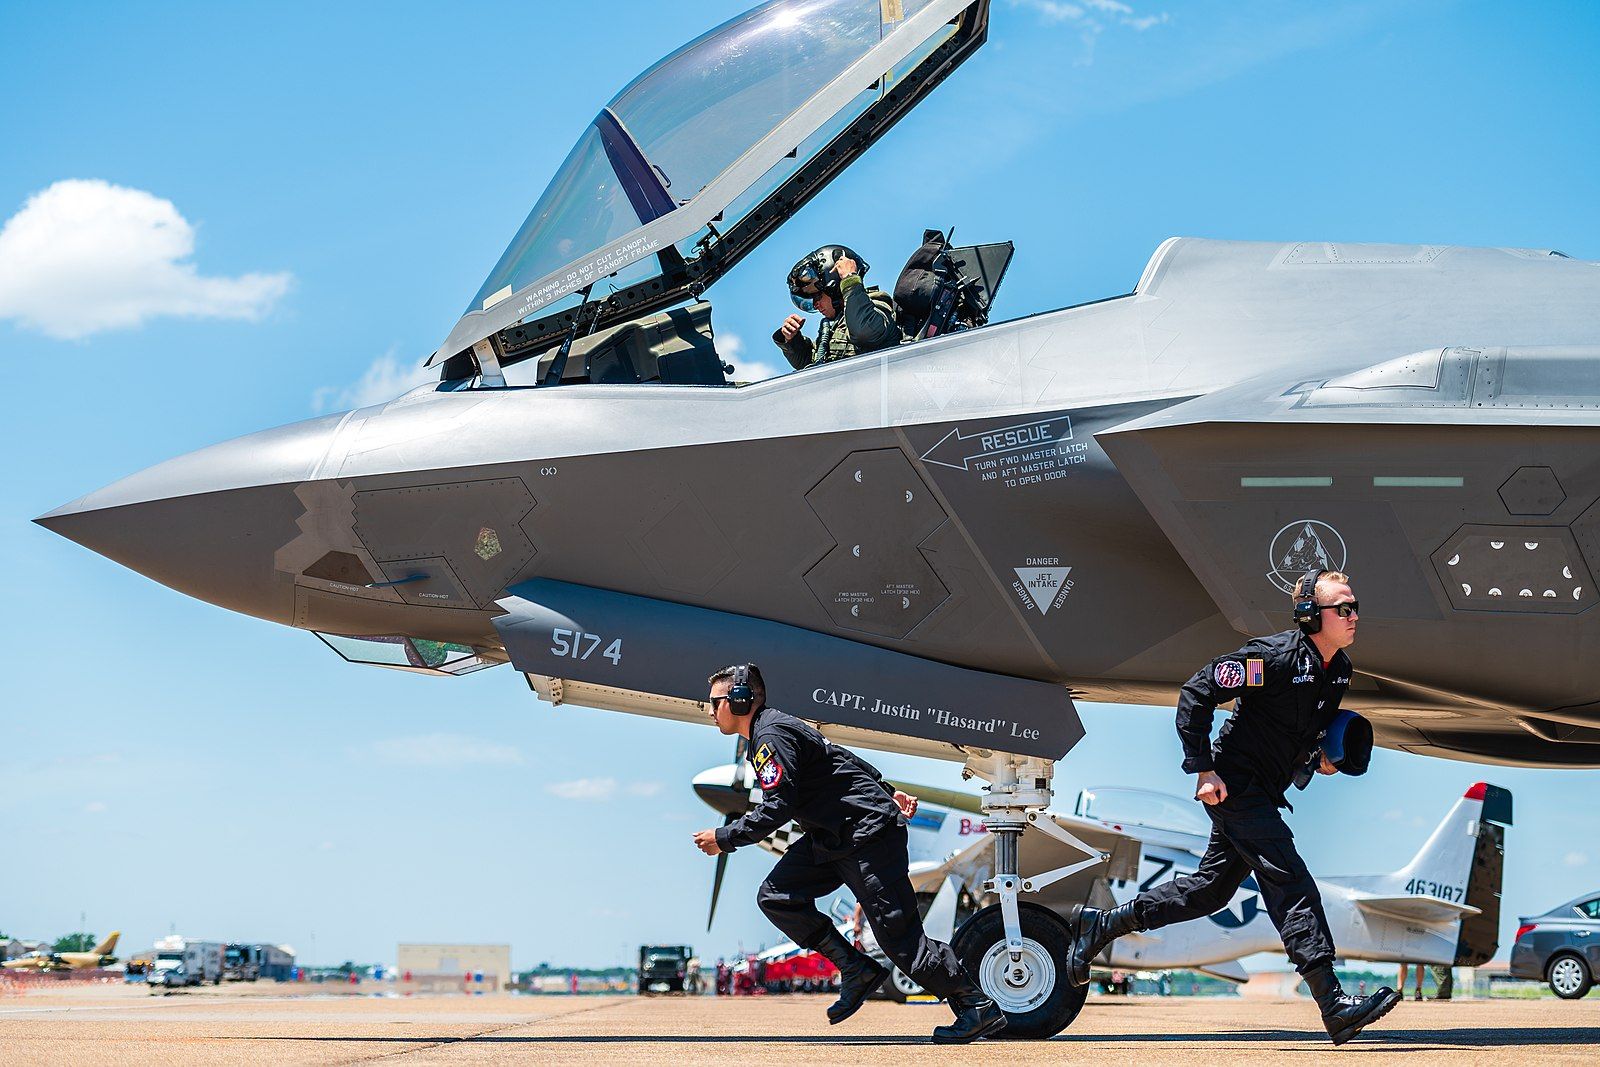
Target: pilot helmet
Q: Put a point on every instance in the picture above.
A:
(814, 275)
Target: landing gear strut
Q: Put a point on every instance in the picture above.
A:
(1016, 950)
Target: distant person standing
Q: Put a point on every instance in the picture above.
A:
(1444, 980)
(855, 835)
(1287, 725)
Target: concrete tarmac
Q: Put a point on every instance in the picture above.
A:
(112, 1024)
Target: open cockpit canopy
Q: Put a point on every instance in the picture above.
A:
(701, 156)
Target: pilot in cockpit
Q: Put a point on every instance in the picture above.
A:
(856, 317)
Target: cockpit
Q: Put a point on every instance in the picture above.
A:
(685, 171)
(1147, 808)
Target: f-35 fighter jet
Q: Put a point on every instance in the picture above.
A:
(937, 547)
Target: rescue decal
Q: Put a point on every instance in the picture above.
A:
(1255, 672)
(1229, 674)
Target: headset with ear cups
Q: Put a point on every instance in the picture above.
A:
(741, 698)
(1307, 614)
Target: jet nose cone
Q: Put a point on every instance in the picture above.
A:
(209, 523)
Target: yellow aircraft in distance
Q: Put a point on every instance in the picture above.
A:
(100, 956)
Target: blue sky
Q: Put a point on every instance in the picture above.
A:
(299, 203)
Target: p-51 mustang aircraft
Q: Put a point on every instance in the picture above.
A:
(937, 547)
(1442, 907)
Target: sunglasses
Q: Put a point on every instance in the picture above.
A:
(1345, 608)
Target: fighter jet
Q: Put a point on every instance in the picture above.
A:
(99, 956)
(935, 548)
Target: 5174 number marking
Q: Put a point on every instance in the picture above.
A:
(576, 644)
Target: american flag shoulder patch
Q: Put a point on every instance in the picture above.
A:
(1255, 672)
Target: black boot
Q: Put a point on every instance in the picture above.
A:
(976, 1016)
(859, 975)
(1345, 1016)
(1095, 930)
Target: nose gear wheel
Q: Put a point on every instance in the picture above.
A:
(1017, 985)
(1032, 990)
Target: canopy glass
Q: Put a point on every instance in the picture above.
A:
(692, 124)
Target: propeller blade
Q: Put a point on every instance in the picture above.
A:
(740, 745)
(739, 749)
(716, 887)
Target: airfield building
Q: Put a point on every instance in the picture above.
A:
(454, 962)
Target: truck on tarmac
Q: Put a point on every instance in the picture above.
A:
(663, 968)
(181, 961)
(241, 963)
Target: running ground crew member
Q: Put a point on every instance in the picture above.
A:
(1289, 687)
(855, 835)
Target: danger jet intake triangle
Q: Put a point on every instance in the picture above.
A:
(1042, 584)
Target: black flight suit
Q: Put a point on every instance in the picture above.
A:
(854, 835)
(1286, 699)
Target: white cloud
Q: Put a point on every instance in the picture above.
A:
(384, 380)
(730, 346)
(1575, 859)
(95, 807)
(584, 789)
(1393, 815)
(1052, 10)
(600, 789)
(83, 256)
(1092, 17)
(444, 750)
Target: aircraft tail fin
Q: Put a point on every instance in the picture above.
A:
(109, 945)
(1445, 865)
(1455, 875)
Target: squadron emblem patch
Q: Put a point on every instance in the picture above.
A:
(769, 773)
(1229, 674)
(1255, 672)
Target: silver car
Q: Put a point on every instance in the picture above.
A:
(1561, 947)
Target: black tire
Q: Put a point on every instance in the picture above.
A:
(1055, 1001)
(899, 987)
(1572, 973)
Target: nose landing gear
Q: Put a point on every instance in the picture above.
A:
(1016, 950)
(1028, 982)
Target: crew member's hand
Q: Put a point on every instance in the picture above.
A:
(1209, 788)
(791, 326)
(1327, 768)
(844, 266)
(706, 841)
(907, 802)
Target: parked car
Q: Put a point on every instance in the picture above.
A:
(1561, 947)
